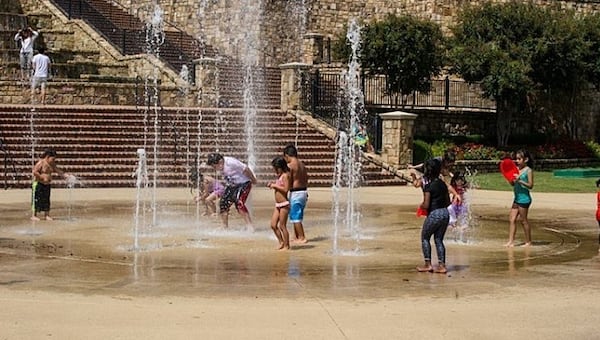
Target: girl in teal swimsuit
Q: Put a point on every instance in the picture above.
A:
(522, 184)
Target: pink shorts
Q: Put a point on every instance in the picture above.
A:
(282, 204)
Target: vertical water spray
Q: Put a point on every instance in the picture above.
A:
(141, 183)
(300, 13)
(348, 163)
(251, 15)
(155, 37)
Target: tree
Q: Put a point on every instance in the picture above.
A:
(528, 59)
(493, 44)
(406, 50)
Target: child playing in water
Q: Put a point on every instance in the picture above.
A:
(420, 180)
(522, 184)
(459, 212)
(212, 190)
(598, 209)
(42, 177)
(435, 201)
(281, 188)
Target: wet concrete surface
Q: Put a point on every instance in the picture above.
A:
(89, 249)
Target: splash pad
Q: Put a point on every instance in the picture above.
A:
(93, 250)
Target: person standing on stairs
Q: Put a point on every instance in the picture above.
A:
(26, 37)
(41, 68)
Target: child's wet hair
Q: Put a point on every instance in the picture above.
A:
(48, 153)
(432, 168)
(280, 163)
(525, 154)
(598, 183)
(458, 176)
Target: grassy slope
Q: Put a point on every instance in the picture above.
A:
(543, 182)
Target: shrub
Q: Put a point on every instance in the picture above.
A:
(421, 151)
(563, 148)
(439, 147)
(474, 151)
(594, 148)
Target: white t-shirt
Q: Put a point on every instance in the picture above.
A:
(41, 65)
(27, 43)
(233, 171)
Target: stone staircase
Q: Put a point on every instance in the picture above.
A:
(99, 144)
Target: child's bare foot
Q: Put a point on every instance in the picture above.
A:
(35, 218)
(250, 228)
(426, 268)
(300, 241)
(48, 218)
(283, 248)
(204, 214)
(441, 269)
(526, 244)
(509, 244)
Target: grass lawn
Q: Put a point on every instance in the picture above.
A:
(543, 182)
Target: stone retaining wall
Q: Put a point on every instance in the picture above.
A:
(224, 24)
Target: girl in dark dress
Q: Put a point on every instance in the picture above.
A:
(435, 201)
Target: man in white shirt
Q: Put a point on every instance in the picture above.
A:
(26, 36)
(239, 179)
(41, 70)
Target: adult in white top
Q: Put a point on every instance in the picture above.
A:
(26, 37)
(239, 178)
(41, 70)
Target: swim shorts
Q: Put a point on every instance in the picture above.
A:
(40, 197)
(298, 201)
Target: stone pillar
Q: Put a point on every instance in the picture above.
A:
(291, 89)
(206, 71)
(397, 137)
(313, 48)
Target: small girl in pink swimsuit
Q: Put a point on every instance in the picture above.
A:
(212, 190)
(282, 206)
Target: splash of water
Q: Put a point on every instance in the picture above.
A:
(155, 38)
(141, 184)
(251, 12)
(348, 164)
(464, 229)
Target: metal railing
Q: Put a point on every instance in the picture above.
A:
(322, 93)
(128, 34)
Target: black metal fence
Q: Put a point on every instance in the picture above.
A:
(322, 94)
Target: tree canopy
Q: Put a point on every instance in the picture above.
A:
(407, 50)
(526, 57)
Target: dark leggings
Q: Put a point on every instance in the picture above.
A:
(435, 224)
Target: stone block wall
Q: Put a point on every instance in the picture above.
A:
(283, 24)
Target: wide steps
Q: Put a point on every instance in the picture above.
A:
(99, 145)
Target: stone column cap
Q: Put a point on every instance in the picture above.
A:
(295, 65)
(205, 60)
(398, 115)
(313, 35)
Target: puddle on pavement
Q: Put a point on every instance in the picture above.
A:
(91, 251)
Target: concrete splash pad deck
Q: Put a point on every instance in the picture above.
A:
(230, 284)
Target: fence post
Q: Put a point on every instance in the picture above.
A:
(314, 92)
(446, 93)
(123, 43)
(397, 133)
(292, 90)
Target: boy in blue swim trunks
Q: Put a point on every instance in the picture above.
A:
(298, 193)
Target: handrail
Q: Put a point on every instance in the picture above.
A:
(120, 36)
